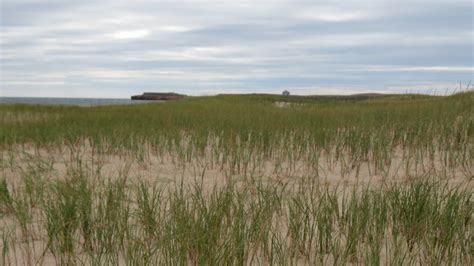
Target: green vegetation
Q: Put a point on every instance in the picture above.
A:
(229, 117)
(244, 131)
(418, 222)
(240, 179)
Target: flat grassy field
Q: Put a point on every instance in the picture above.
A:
(240, 180)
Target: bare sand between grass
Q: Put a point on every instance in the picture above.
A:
(167, 167)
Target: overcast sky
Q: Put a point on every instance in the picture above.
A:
(85, 48)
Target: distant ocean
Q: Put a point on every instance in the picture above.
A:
(69, 101)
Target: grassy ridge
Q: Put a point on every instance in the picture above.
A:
(236, 130)
(231, 116)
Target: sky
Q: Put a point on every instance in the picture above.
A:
(115, 49)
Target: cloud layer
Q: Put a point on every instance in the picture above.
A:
(119, 48)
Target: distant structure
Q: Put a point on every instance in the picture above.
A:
(286, 93)
(158, 96)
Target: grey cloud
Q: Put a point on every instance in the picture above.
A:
(205, 46)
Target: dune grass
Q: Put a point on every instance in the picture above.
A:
(237, 131)
(240, 116)
(422, 221)
(272, 202)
